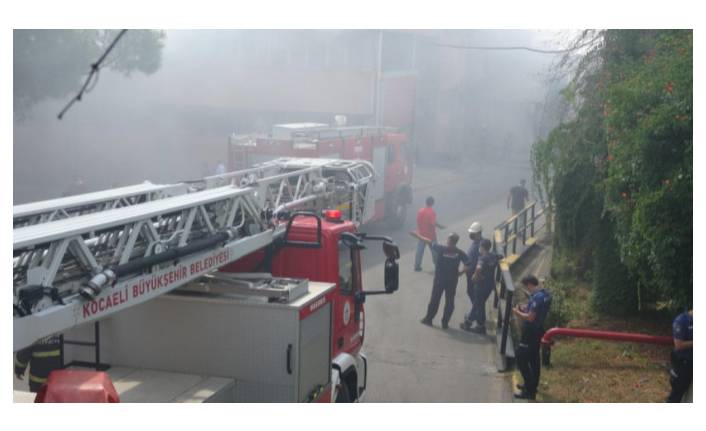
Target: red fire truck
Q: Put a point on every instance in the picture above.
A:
(184, 293)
(383, 147)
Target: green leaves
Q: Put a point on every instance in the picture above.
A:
(652, 124)
(626, 162)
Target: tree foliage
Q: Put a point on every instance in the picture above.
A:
(51, 64)
(623, 164)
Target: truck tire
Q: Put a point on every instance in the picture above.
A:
(396, 210)
(344, 393)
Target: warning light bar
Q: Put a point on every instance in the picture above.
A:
(332, 215)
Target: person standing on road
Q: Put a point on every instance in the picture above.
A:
(682, 357)
(445, 277)
(475, 233)
(532, 317)
(483, 283)
(426, 227)
(518, 197)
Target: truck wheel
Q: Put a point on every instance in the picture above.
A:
(344, 394)
(397, 214)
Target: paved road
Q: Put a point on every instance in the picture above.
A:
(410, 362)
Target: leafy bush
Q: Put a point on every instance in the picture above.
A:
(618, 173)
(614, 292)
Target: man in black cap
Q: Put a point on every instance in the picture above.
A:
(448, 258)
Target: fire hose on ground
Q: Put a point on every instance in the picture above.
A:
(547, 339)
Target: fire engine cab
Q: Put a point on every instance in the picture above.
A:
(383, 147)
(199, 294)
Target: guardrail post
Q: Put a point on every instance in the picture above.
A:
(506, 321)
(499, 323)
(532, 222)
(506, 234)
(524, 226)
(497, 296)
(514, 238)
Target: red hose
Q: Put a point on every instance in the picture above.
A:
(606, 335)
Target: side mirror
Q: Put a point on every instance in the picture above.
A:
(392, 275)
(392, 268)
(391, 250)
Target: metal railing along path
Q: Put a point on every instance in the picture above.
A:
(516, 235)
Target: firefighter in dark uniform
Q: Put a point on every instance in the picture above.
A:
(475, 233)
(532, 317)
(484, 283)
(445, 277)
(42, 357)
(682, 356)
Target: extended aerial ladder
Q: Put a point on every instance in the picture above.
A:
(87, 266)
(280, 185)
(320, 183)
(70, 206)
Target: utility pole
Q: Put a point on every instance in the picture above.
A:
(377, 101)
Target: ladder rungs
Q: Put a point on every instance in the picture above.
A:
(46, 232)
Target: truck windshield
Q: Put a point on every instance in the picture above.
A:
(345, 268)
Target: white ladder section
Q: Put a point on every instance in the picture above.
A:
(307, 183)
(72, 271)
(280, 185)
(55, 209)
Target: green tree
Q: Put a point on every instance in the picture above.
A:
(51, 64)
(649, 187)
(619, 171)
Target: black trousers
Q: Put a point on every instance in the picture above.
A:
(681, 375)
(448, 289)
(480, 296)
(527, 355)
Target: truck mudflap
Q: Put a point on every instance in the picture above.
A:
(363, 367)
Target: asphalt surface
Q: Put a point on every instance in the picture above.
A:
(410, 362)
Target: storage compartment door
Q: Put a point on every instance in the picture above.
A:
(314, 352)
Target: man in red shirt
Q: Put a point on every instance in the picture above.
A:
(426, 227)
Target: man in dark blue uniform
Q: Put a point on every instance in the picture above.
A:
(475, 233)
(448, 258)
(682, 356)
(532, 317)
(484, 283)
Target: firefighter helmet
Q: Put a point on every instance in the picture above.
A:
(475, 227)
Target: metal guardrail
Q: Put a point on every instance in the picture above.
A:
(518, 234)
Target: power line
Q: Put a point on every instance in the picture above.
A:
(95, 67)
(511, 48)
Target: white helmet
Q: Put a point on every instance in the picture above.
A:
(475, 227)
